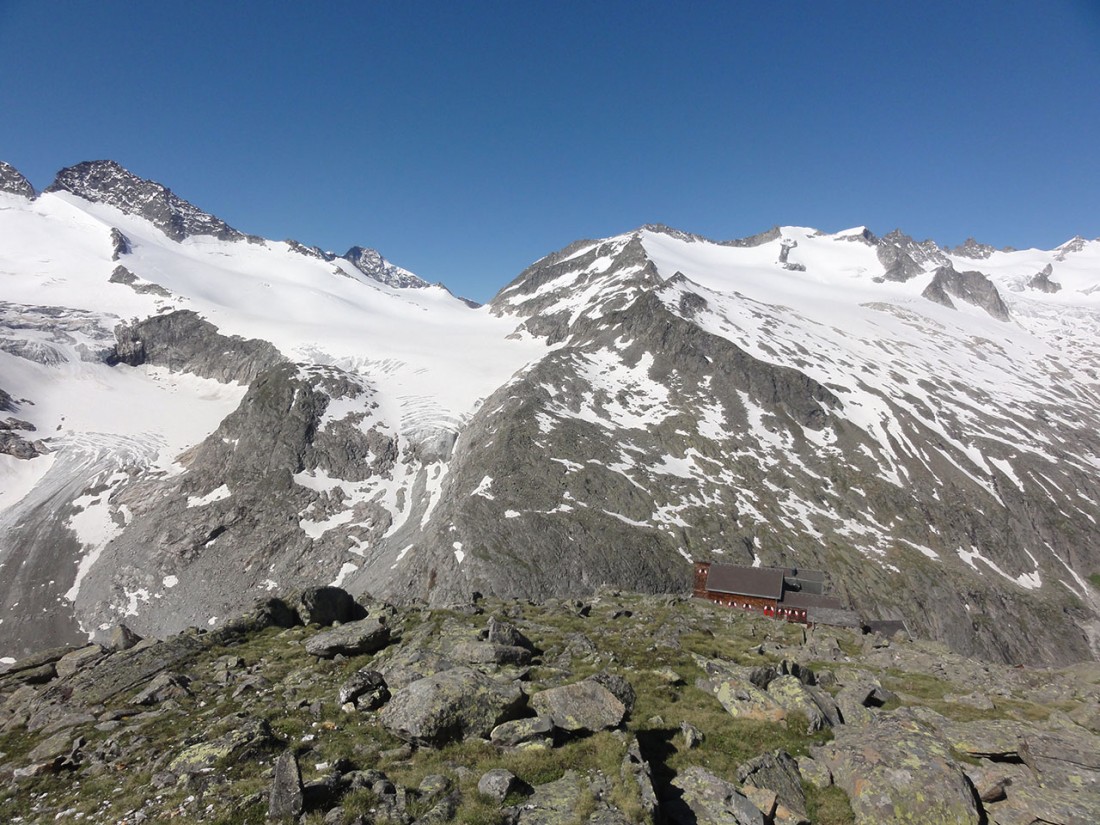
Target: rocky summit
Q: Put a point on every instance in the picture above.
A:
(621, 708)
(192, 417)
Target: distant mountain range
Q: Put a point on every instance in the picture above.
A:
(194, 417)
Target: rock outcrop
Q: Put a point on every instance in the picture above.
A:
(105, 181)
(13, 182)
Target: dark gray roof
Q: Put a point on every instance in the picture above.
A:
(800, 598)
(886, 627)
(762, 582)
(804, 574)
(832, 616)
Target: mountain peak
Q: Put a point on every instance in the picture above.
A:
(972, 249)
(371, 263)
(13, 181)
(107, 181)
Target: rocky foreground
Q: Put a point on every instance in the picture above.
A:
(621, 709)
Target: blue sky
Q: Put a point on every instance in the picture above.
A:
(464, 140)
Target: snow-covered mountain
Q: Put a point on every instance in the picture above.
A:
(196, 416)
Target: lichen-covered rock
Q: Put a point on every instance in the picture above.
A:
(450, 706)
(897, 771)
(744, 700)
(497, 784)
(70, 663)
(326, 605)
(529, 732)
(365, 688)
(707, 800)
(776, 771)
(285, 797)
(474, 652)
(351, 639)
(581, 707)
(815, 772)
(501, 632)
(247, 736)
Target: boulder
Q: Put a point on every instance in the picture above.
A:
(531, 732)
(121, 638)
(795, 697)
(1029, 803)
(497, 784)
(70, 663)
(326, 605)
(163, 686)
(366, 689)
(618, 685)
(474, 652)
(450, 706)
(776, 771)
(1065, 759)
(249, 735)
(285, 798)
(583, 707)
(500, 632)
(814, 772)
(896, 770)
(744, 700)
(351, 639)
(707, 800)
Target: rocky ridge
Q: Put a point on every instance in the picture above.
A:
(624, 708)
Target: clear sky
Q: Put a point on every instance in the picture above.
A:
(464, 140)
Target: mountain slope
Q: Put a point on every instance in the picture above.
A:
(919, 422)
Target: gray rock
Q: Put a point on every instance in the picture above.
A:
(497, 784)
(285, 798)
(121, 638)
(693, 737)
(814, 772)
(1041, 281)
(366, 688)
(326, 605)
(104, 181)
(164, 686)
(352, 639)
(638, 777)
(707, 800)
(449, 707)
(183, 341)
(473, 652)
(371, 263)
(70, 663)
(583, 707)
(972, 287)
(500, 632)
(896, 770)
(530, 732)
(248, 736)
(779, 772)
(13, 182)
(619, 686)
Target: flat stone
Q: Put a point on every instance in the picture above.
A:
(707, 800)
(581, 707)
(351, 639)
(897, 770)
(523, 733)
(450, 706)
(70, 663)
